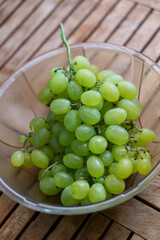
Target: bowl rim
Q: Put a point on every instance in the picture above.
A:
(74, 210)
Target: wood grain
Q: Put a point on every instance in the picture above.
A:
(150, 3)
(136, 237)
(67, 227)
(17, 18)
(117, 231)
(6, 205)
(137, 217)
(153, 49)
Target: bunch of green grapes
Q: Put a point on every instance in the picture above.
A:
(89, 143)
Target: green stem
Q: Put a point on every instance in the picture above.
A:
(66, 43)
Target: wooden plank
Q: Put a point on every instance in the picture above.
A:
(39, 227)
(153, 49)
(145, 32)
(137, 217)
(151, 193)
(17, 221)
(94, 228)
(26, 30)
(136, 237)
(150, 3)
(17, 19)
(6, 205)
(8, 8)
(129, 25)
(109, 23)
(72, 23)
(67, 227)
(117, 231)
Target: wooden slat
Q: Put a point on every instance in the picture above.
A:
(17, 221)
(8, 8)
(94, 228)
(136, 237)
(6, 205)
(137, 217)
(151, 194)
(150, 3)
(116, 231)
(17, 18)
(129, 25)
(67, 227)
(153, 49)
(25, 31)
(39, 227)
(110, 22)
(144, 34)
(74, 21)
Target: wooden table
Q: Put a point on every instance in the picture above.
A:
(30, 28)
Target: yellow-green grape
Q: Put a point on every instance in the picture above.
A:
(112, 168)
(132, 108)
(109, 91)
(145, 136)
(97, 144)
(94, 69)
(63, 179)
(104, 74)
(37, 123)
(58, 83)
(67, 199)
(114, 78)
(74, 90)
(124, 168)
(89, 115)
(95, 166)
(144, 166)
(107, 158)
(73, 161)
(117, 135)
(48, 187)
(97, 193)
(85, 78)
(115, 116)
(60, 106)
(79, 189)
(81, 62)
(91, 98)
(27, 160)
(39, 159)
(45, 95)
(17, 159)
(127, 90)
(114, 185)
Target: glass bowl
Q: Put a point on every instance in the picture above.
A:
(19, 104)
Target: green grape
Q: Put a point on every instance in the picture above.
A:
(22, 138)
(119, 153)
(89, 115)
(95, 166)
(27, 160)
(115, 116)
(104, 74)
(112, 168)
(63, 179)
(17, 159)
(41, 137)
(80, 148)
(81, 62)
(91, 98)
(63, 94)
(55, 145)
(117, 135)
(84, 132)
(44, 172)
(86, 201)
(79, 189)
(109, 92)
(134, 164)
(97, 144)
(114, 185)
(73, 161)
(127, 90)
(97, 193)
(137, 102)
(51, 117)
(74, 90)
(145, 136)
(37, 123)
(144, 154)
(132, 108)
(100, 105)
(55, 70)
(45, 95)
(60, 106)
(106, 107)
(94, 69)
(124, 168)
(48, 151)
(58, 83)
(58, 168)
(48, 82)
(81, 173)
(72, 120)
(57, 128)
(144, 166)
(85, 78)
(48, 187)
(68, 149)
(99, 180)
(60, 117)
(114, 78)
(67, 199)
(107, 158)
(39, 159)
(66, 137)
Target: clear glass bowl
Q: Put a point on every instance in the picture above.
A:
(19, 104)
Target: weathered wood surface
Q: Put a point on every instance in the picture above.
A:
(30, 29)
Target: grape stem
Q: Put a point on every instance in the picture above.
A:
(66, 44)
(48, 168)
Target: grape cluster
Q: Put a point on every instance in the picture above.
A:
(89, 143)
